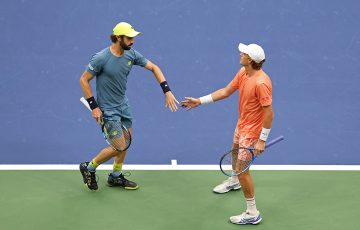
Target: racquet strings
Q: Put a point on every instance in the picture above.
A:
(116, 134)
(245, 158)
(239, 159)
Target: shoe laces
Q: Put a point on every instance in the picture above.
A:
(121, 177)
(93, 177)
(229, 180)
(248, 214)
(126, 174)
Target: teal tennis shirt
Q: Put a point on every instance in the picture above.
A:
(112, 74)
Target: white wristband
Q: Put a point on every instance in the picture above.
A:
(264, 134)
(206, 99)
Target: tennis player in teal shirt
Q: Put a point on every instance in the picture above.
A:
(111, 67)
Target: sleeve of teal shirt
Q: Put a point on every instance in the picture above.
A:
(140, 59)
(95, 65)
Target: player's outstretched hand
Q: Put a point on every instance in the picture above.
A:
(171, 101)
(190, 103)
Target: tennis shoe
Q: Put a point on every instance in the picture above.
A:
(227, 185)
(88, 176)
(246, 218)
(121, 181)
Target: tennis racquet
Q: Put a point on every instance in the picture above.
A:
(115, 133)
(241, 157)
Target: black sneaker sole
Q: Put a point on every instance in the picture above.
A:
(131, 188)
(127, 188)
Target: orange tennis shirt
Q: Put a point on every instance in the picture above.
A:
(254, 93)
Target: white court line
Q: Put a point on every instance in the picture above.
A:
(175, 166)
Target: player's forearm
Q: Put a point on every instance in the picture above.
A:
(215, 96)
(158, 74)
(268, 118)
(219, 94)
(267, 122)
(86, 88)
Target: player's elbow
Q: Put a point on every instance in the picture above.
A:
(83, 80)
(225, 93)
(154, 68)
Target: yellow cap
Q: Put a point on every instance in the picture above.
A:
(126, 29)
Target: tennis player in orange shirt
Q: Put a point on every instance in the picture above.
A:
(254, 123)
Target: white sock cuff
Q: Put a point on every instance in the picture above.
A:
(234, 179)
(250, 201)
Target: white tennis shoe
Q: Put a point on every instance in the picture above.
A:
(246, 218)
(227, 185)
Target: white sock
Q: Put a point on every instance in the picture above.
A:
(251, 206)
(234, 179)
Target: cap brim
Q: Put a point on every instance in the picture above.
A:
(133, 34)
(243, 48)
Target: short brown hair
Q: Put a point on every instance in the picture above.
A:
(113, 38)
(257, 66)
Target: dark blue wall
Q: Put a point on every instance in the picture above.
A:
(312, 50)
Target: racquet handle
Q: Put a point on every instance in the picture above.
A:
(271, 143)
(83, 100)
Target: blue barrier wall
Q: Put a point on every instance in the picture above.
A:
(312, 50)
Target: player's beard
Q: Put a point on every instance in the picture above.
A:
(124, 46)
